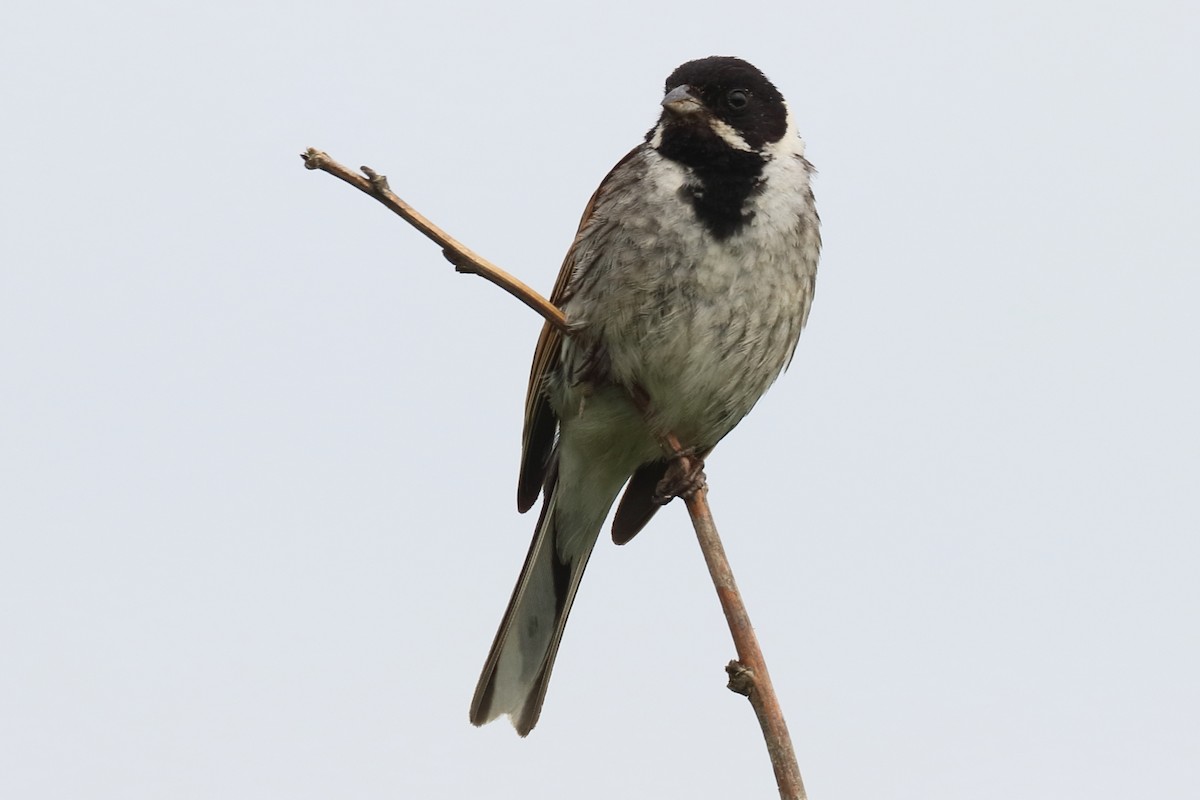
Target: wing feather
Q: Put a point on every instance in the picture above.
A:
(541, 423)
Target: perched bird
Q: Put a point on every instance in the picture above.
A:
(687, 286)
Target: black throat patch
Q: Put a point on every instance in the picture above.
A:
(725, 178)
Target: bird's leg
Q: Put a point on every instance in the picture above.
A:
(685, 475)
(685, 469)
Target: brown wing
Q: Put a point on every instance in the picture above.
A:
(537, 441)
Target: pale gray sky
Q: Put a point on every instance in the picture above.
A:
(258, 442)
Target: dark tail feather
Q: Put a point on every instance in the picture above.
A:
(518, 667)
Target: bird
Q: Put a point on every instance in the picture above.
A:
(685, 291)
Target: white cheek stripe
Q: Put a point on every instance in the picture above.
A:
(656, 139)
(722, 129)
(727, 133)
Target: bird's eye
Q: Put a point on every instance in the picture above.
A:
(737, 100)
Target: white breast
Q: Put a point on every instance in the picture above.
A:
(704, 326)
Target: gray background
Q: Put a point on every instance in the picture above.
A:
(258, 442)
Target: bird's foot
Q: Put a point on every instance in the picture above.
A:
(684, 477)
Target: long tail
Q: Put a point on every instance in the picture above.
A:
(518, 667)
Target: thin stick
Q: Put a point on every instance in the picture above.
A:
(748, 675)
(463, 259)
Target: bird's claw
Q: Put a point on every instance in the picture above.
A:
(684, 477)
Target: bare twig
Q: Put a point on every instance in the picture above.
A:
(464, 260)
(748, 675)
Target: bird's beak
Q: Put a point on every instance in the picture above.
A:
(681, 101)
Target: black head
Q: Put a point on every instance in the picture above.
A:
(720, 115)
(724, 94)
